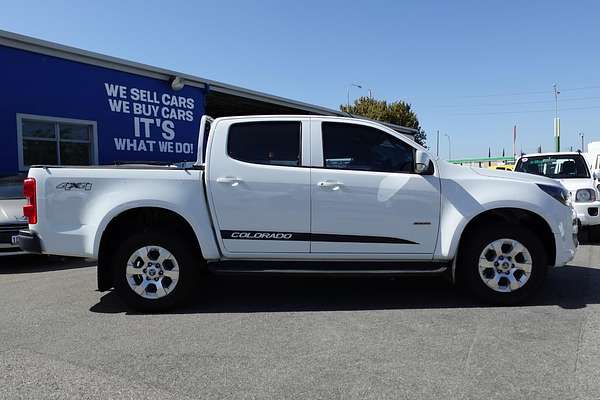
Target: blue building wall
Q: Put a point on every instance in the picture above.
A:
(138, 118)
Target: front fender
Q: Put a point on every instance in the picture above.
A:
(465, 199)
(453, 224)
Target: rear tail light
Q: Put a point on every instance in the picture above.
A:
(30, 209)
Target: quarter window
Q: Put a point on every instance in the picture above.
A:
(270, 142)
(54, 142)
(362, 148)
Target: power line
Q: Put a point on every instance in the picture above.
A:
(505, 94)
(517, 102)
(580, 88)
(529, 111)
(536, 92)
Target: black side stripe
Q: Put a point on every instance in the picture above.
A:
(325, 237)
(314, 237)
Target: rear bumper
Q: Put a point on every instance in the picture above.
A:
(29, 241)
(7, 232)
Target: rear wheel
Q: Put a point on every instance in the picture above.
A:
(503, 264)
(154, 272)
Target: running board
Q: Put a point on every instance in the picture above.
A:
(328, 267)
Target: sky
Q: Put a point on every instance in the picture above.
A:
(470, 69)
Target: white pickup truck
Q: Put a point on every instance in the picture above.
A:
(571, 170)
(300, 194)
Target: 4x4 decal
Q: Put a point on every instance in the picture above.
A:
(86, 186)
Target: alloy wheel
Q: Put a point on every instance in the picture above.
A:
(152, 272)
(505, 265)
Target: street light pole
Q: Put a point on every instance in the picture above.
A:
(556, 119)
(449, 147)
(348, 94)
(581, 135)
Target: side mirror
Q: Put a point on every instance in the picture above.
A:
(423, 163)
(596, 174)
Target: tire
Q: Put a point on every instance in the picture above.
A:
(585, 234)
(594, 234)
(496, 279)
(163, 271)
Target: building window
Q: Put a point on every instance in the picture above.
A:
(55, 141)
(269, 142)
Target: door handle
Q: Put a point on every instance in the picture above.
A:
(335, 185)
(234, 180)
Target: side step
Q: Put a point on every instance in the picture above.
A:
(329, 267)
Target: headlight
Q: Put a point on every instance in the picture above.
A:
(559, 193)
(585, 195)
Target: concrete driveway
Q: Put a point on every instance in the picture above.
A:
(299, 338)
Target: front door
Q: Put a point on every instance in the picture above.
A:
(365, 196)
(259, 190)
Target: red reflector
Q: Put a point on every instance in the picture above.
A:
(30, 209)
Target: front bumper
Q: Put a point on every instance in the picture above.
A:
(29, 241)
(588, 213)
(566, 238)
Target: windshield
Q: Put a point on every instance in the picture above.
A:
(11, 187)
(555, 166)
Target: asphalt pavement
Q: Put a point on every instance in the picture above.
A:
(297, 338)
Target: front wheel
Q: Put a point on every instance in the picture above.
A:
(154, 272)
(503, 264)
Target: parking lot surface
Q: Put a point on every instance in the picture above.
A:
(330, 338)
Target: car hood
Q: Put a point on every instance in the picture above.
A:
(11, 211)
(517, 176)
(577, 183)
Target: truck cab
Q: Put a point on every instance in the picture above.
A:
(316, 181)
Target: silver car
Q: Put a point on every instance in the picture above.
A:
(11, 213)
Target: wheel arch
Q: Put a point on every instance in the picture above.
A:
(510, 215)
(136, 219)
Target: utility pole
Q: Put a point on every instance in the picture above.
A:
(556, 119)
(582, 145)
(515, 142)
(449, 147)
(437, 147)
(348, 94)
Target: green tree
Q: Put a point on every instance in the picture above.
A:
(397, 112)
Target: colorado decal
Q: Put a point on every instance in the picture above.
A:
(306, 237)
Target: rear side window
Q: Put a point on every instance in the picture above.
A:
(269, 142)
(362, 148)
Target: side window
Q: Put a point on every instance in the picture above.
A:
(269, 142)
(362, 148)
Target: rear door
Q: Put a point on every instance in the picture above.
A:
(259, 187)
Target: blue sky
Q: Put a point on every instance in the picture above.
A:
(471, 69)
